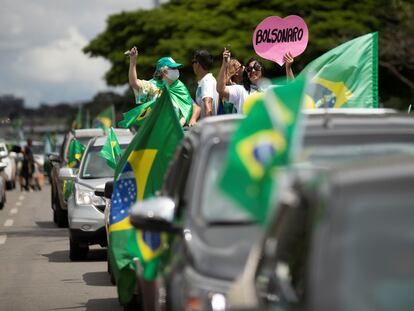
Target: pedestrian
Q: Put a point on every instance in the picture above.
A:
(252, 75)
(206, 94)
(166, 72)
(27, 169)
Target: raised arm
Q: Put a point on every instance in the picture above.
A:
(288, 58)
(132, 72)
(221, 79)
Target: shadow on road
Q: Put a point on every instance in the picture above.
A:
(58, 256)
(63, 256)
(100, 278)
(103, 304)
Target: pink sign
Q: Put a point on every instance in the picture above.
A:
(276, 36)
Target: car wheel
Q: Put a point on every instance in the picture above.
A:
(61, 216)
(76, 252)
(111, 275)
(134, 305)
(3, 200)
(9, 185)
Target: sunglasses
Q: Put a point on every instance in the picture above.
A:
(255, 67)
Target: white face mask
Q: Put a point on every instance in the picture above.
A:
(172, 74)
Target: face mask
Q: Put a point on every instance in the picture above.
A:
(172, 74)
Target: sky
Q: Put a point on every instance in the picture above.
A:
(41, 41)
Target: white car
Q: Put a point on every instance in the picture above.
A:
(9, 172)
(85, 209)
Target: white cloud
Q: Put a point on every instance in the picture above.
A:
(41, 45)
(62, 61)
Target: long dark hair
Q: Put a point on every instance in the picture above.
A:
(246, 81)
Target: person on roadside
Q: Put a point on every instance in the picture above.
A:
(27, 169)
(206, 96)
(166, 72)
(252, 75)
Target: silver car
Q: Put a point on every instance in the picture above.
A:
(85, 209)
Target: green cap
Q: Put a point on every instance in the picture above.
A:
(167, 61)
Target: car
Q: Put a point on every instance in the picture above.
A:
(57, 161)
(2, 186)
(10, 170)
(343, 239)
(212, 236)
(191, 270)
(85, 209)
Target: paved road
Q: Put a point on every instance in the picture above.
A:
(35, 270)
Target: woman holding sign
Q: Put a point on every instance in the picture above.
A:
(252, 75)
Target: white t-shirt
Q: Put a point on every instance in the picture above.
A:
(207, 88)
(238, 95)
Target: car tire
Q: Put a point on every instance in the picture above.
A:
(3, 201)
(9, 185)
(134, 305)
(76, 252)
(59, 216)
(111, 275)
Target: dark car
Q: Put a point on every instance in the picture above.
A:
(58, 161)
(345, 242)
(213, 236)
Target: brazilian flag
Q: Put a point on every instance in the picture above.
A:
(138, 175)
(105, 119)
(80, 120)
(346, 76)
(137, 115)
(180, 98)
(111, 150)
(262, 143)
(76, 150)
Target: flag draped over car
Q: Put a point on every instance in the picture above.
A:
(138, 175)
(262, 142)
(346, 76)
(111, 150)
(76, 150)
(105, 119)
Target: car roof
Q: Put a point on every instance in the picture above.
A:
(90, 132)
(124, 138)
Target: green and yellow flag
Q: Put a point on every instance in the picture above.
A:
(105, 119)
(78, 123)
(262, 143)
(180, 100)
(346, 76)
(111, 150)
(76, 150)
(138, 175)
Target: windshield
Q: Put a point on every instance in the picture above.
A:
(375, 250)
(217, 207)
(95, 166)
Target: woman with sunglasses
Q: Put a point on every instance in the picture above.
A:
(252, 75)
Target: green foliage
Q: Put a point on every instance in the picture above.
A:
(181, 27)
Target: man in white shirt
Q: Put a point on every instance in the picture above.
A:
(206, 93)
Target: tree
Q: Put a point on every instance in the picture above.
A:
(180, 27)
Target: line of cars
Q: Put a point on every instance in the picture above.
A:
(312, 254)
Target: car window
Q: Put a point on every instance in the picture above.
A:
(216, 206)
(95, 166)
(374, 249)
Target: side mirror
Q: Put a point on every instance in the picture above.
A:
(54, 157)
(66, 173)
(109, 188)
(2, 166)
(154, 214)
(100, 191)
